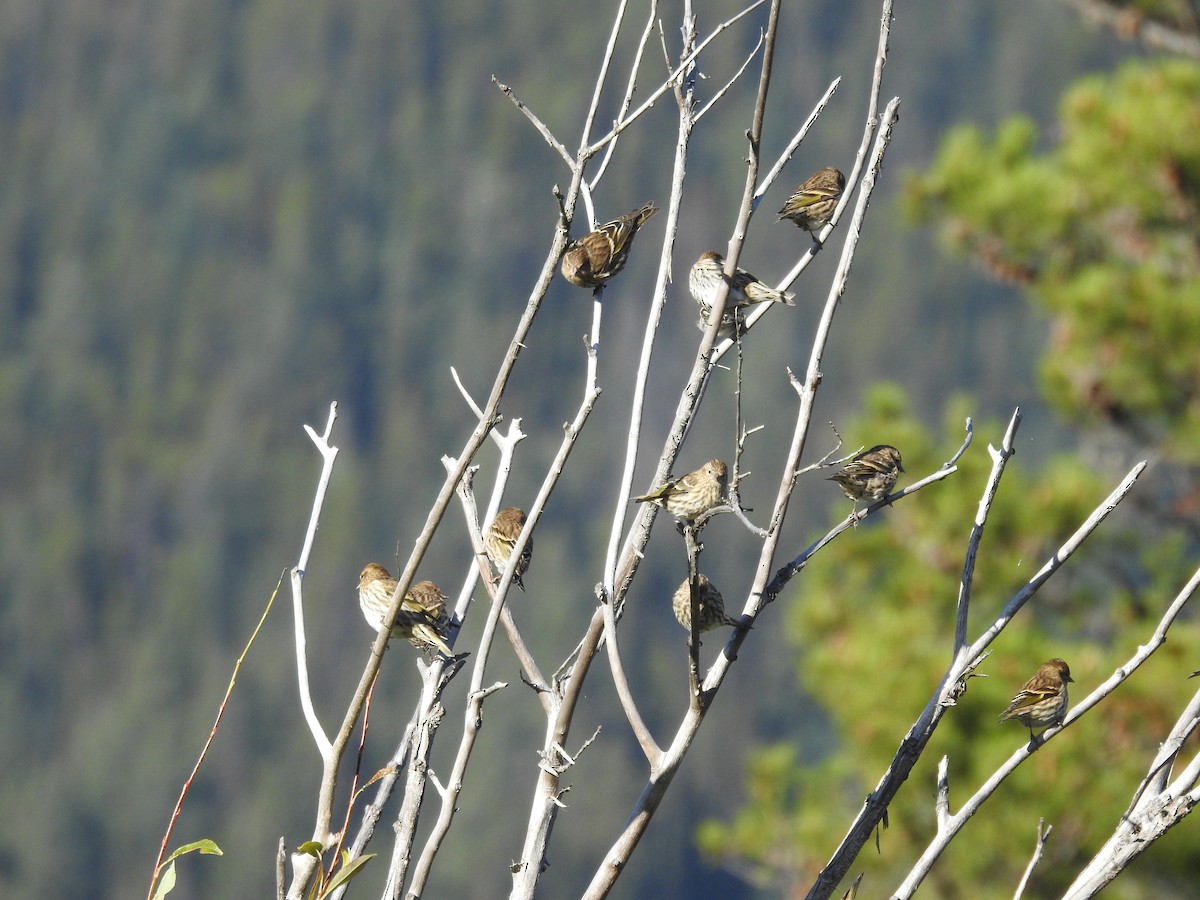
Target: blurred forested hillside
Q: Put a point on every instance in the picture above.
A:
(217, 217)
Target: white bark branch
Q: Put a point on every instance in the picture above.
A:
(328, 455)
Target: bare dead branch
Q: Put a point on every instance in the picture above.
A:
(1043, 832)
(644, 738)
(537, 123)
(731, 82)
(630, 87)
(794, 144)
(328, 456)
(999, 459)
(684, 64)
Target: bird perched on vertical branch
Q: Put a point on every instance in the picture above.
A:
(1042, 701)
(710, 605)
(705, 279)
(500, 538)
(601, 254)
(422, 617)
(693, 495)
(870, 475)
(812, 204)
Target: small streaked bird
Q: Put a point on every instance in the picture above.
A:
(870, 475)
(422, 617)
(745, 290)
(430, 598)
(1042, 702)
(601, 254)
(710, 605)
(693, 495)
(500, 538)
(812, 204)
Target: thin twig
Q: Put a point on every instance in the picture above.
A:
(212, 735)
(543, 130)
(794, 144)
(999, 459)
(1043, 832)
(693, 554)
(638, 725)
(730, 83)
(684, 64)
(630, 87)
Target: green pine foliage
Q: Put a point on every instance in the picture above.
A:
(1101, 230)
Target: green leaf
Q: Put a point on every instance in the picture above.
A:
(166, 883)
(348, 870)
(312, 848)
(204, 845)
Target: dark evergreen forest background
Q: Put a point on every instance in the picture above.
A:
(218, 217)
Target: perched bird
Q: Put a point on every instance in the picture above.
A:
(870, 475)
(710, 606)
(601, 254)
(812, 204)
(430, 598)
(1042, 702)
(693, 495)
(500, 538)
(705, 279)
(422, 617)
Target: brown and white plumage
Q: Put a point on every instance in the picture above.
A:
(710, 605)
(813, 202)
(1042, 701)
(870, 475)
(601, 254)
(422, 617)
(707, 275)
(500, 538)
(694, 494)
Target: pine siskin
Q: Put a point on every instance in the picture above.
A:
(500, 538)
(601, 254)
(710, 605)
(871, 475)
(1042, 702)
(430, 598)
(812, 204)
(422, 614)
(693, 495)
(744, 290)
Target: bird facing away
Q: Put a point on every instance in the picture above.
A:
(430, 598)
(422, 613)
(601, 254)
(870, 475)
(710, 605)
(812, 204)
(693, 495)
(1042, 701)
(500, 538)
(745, 290)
